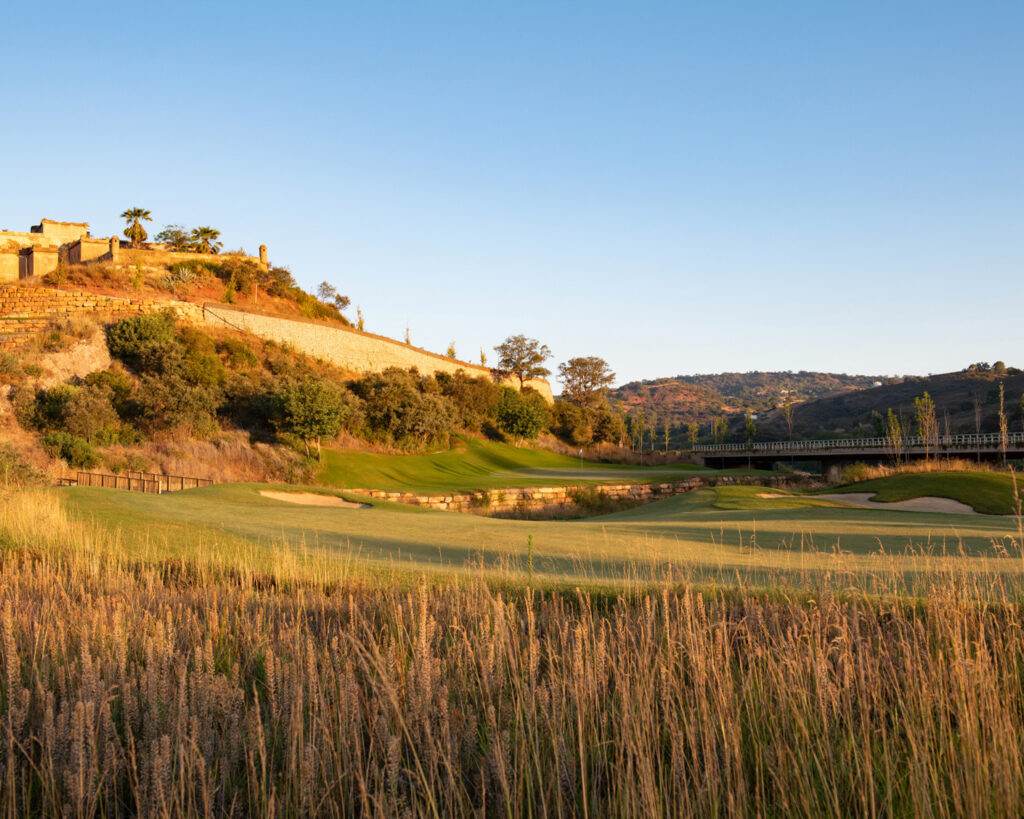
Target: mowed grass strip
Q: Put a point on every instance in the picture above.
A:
(988, 493)
(747, 541)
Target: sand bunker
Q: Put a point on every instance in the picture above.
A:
(927, 504)
(312, 499)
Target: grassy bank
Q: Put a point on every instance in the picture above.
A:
(474, 464)
(200, 686)
(989, 493)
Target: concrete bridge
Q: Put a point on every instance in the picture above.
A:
(833, 454)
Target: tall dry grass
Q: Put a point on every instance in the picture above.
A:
(193, 688)
(854, 473)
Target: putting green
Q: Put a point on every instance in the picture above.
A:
(474, 464)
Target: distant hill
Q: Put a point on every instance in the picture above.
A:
(825, 405)
(687, 398)
(855, 412)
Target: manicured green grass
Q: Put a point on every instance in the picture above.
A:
(990, 493)
(474, 464)
(729, 534)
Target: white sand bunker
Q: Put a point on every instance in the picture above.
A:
(927, 504)
(312, 499)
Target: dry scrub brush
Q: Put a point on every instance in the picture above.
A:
(178, 688)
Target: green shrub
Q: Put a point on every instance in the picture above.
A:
(169, 401)
(51, 406)
(90, 414)
(312, 409)
(77, 451)
(519, 415)
(572, 423)
(16, 471)
(119, 386)
(130, 338)
(237, 354)
(397, 410)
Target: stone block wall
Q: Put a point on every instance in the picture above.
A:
(499, 502)
(347, 347)
(25, 311)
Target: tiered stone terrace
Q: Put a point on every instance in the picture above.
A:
(26, 311)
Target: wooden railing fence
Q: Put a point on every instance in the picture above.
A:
(149, 482)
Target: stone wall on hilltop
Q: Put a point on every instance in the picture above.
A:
(347, 347)
(25, 311)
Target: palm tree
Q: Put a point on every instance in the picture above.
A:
(204, 239)
(135, 231)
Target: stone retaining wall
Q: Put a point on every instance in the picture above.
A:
(25, 311)
(347, 347)
(499, 502)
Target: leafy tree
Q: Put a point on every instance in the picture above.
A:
(750, 427)
(450, 352)
(90, 415)
(135, 232)
(176, 238)
(719, 429)
(787, 414)
(312, 409)
(205, 240)
(638, 430)
(476, 397)
(609, 426)
(519, 414)
(693, 431)
(523, 357)
(483, 358)
(278, 281)
(927, 424)
(894, 435)
(328, 294)
(1003, 426)
(585, 380)
(572, 424)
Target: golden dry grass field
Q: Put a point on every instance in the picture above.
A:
(219, 653)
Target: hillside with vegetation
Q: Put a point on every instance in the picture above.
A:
(683, 400)
(966, 402)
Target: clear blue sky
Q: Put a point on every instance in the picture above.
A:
(678, 187)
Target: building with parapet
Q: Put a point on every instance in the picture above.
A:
(40, 250)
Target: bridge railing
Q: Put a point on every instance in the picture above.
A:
(946, 443)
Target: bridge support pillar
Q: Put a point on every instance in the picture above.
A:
(833, 472)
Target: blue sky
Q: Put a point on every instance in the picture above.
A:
(678, 187)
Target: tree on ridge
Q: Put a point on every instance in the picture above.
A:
(585, 379)
(135, 232)
(205, 239)
(523, 357)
